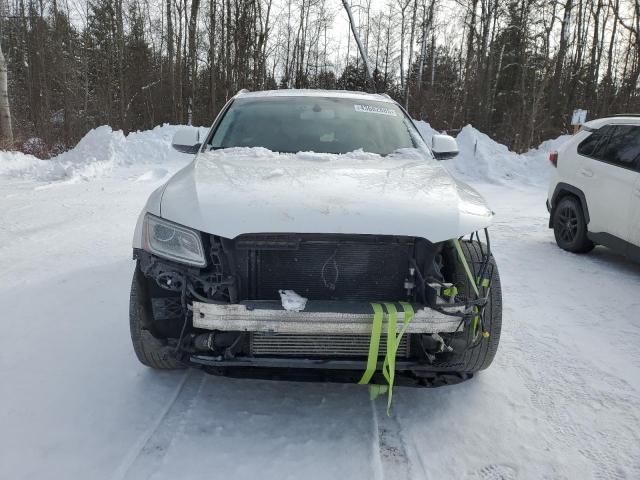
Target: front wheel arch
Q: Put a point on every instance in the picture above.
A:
(151, 351)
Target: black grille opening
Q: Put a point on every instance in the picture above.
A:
(324, 267)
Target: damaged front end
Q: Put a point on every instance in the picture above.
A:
(227, 316)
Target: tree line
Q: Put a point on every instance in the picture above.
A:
(515, 69)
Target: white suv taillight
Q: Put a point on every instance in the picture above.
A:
(553, 158)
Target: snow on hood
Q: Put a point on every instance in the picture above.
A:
(253, 190)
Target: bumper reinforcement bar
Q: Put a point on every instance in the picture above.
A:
(319, 317)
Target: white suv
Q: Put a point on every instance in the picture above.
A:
(594, 195)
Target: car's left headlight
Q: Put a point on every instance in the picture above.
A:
(172, 241)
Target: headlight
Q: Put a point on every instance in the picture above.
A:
(172, 241)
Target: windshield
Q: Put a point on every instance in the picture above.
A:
(317, 124)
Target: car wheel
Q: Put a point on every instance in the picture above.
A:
(151, 351)
(483, 350)
(570, 227)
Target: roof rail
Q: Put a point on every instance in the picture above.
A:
(244, 90)
(626, 115)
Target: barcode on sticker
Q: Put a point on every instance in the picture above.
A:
(374, 109)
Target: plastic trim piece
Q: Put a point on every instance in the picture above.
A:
(275, 362)
(617, 244)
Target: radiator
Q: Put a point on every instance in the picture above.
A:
(325, 267)
(289, 344)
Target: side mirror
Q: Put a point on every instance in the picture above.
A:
(444, 147)
(186, 140)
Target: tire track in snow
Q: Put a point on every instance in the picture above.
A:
(378, 471)
(143, 457)
(395, 459)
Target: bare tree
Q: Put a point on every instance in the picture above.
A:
(5, 112)
(513, 68)
(411, 40)
(363, 53)
(192, 55)
(170, 52)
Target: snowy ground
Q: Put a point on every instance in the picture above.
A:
(561, 401)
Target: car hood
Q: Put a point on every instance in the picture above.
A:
(253, 190)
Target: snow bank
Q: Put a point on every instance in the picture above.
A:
(18, 165)
(547, 146)
(103, 150)
(482, 158)
(425, 130)
(97, 154)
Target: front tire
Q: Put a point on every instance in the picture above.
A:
(570, 226)
(480, 356)
(151, 351)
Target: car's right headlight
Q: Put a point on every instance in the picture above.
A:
(174, 242)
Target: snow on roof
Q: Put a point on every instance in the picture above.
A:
(315, 93)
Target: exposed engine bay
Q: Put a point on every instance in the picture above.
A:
(339, 274)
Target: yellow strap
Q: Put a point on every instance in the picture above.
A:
(376, 390)
(475, 323)
(393, 343)
(451, 291)
(476, 317)
(374, 344)
(456, 244)
(389, 365)
(408, 316)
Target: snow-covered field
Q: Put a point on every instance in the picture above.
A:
(561, 401)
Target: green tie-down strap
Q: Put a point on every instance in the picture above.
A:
(374, 344)
(463, 260)
(475, 283)
(393, 342)
(450, 292)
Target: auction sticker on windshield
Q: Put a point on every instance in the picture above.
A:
(374, 109)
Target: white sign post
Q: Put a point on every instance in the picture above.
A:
(578, 118)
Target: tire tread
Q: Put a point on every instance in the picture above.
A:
(582, 243)
(480, 357)
(150, 350)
